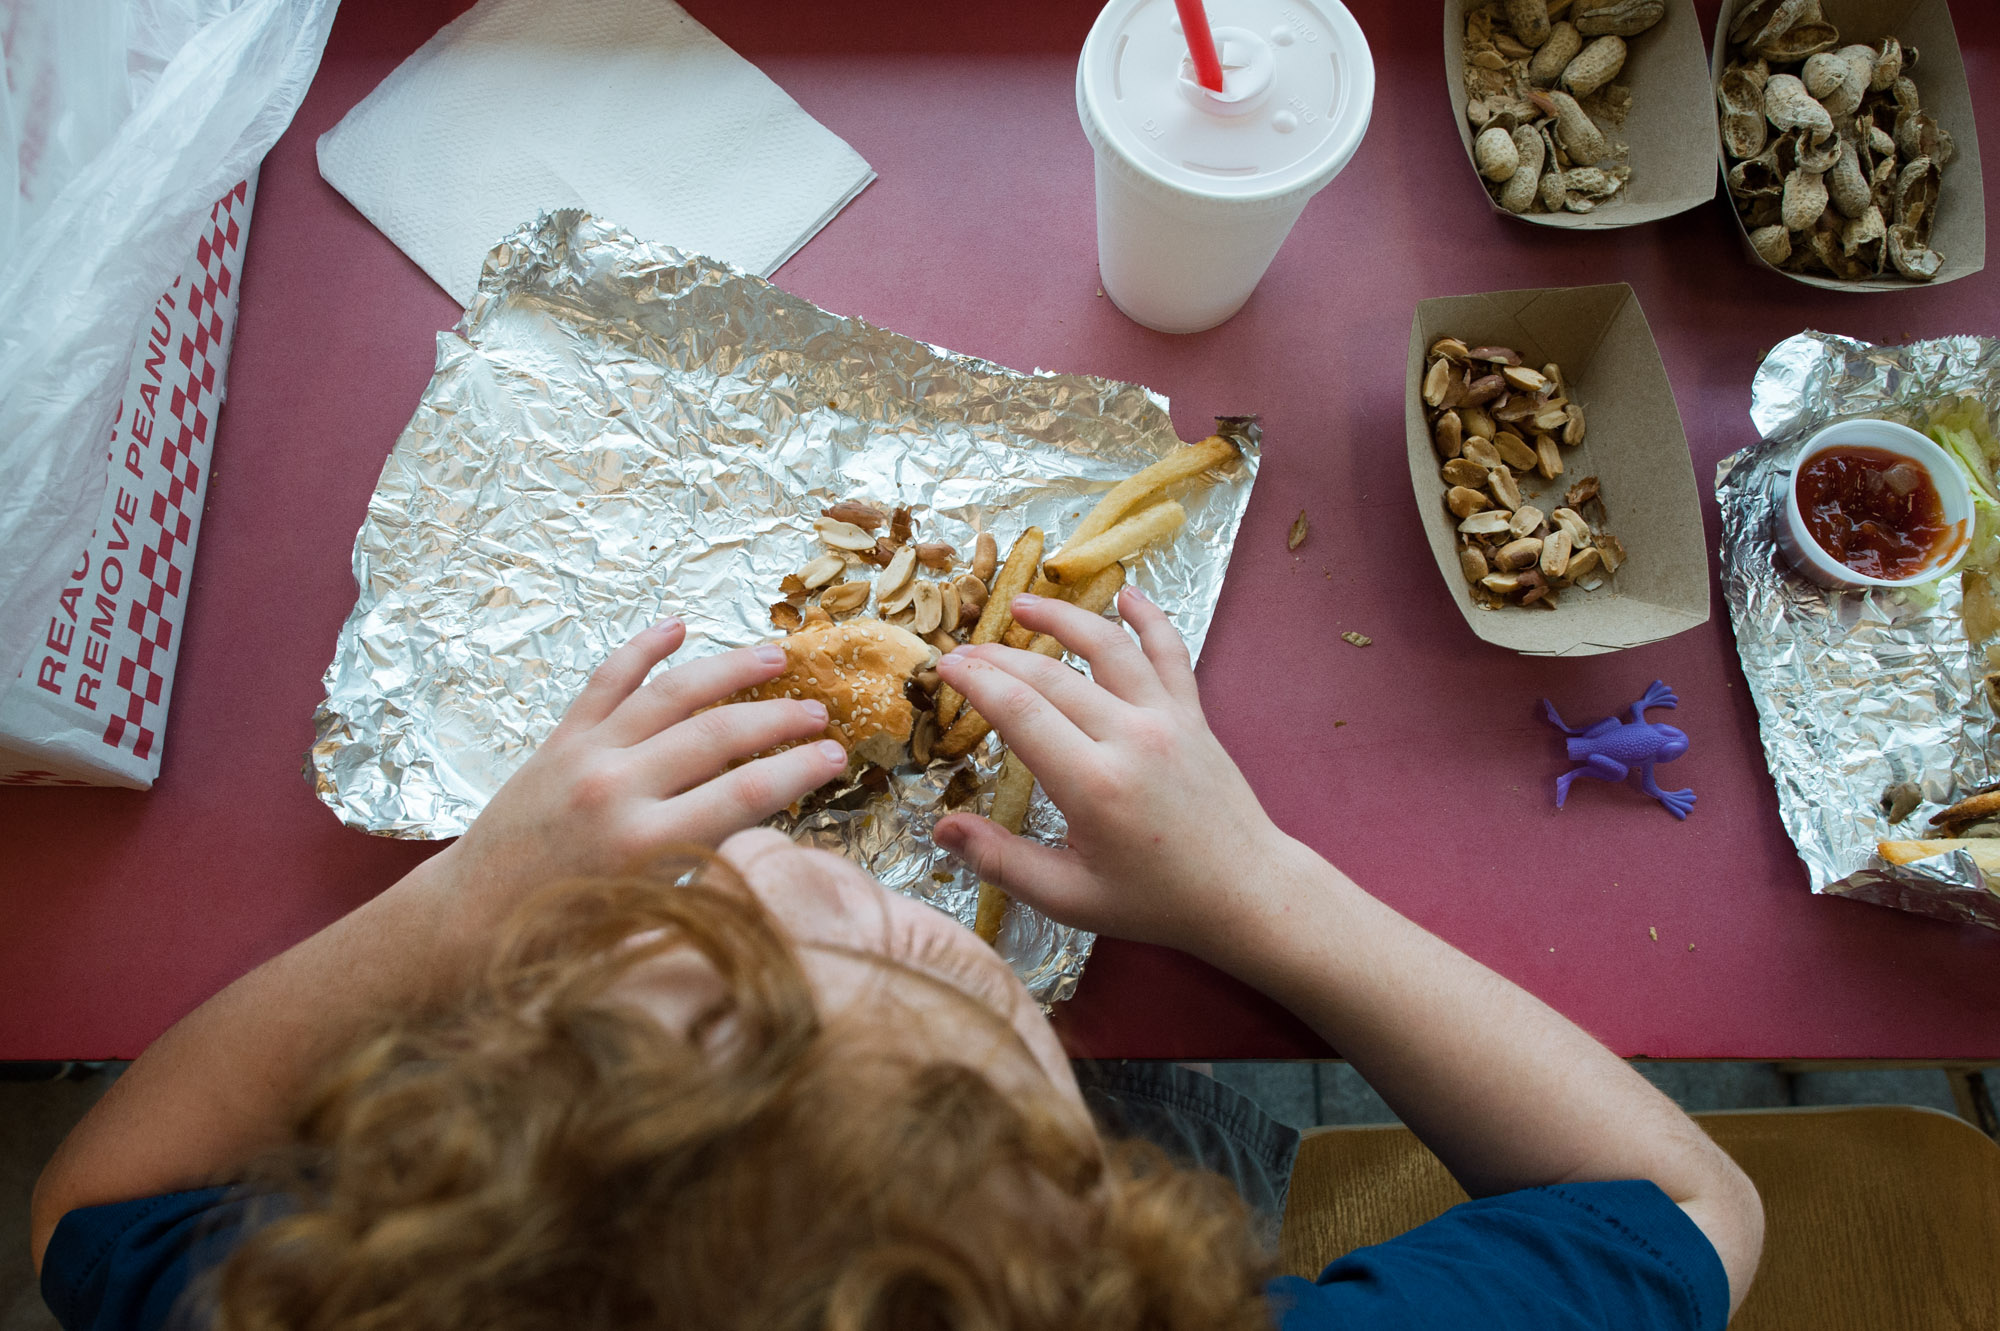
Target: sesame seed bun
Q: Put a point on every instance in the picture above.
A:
(858, 668)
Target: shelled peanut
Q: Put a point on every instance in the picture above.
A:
(915, 586)
(1540, 93)
(1500, 428)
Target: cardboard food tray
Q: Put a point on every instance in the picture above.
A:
(1673, 116)
(1959, 233)
(1634, 446)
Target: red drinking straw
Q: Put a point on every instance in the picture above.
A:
(1201, 44)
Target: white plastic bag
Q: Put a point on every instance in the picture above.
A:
(121, 124)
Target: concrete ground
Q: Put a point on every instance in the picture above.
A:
(37, 1106)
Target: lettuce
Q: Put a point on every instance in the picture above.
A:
(1963, 429)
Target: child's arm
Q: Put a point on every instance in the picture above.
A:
(624, 777)
(1168, 844)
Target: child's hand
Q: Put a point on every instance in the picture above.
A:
(1164, 832)
(632, 771)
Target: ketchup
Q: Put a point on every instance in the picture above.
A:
(1875, 511)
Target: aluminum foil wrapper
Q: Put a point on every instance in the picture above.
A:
(1857, 691)
(618, 431)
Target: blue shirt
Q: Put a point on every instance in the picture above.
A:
(1614, 1255)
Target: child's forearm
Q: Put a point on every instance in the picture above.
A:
(1505, 1090)
(225, 1082)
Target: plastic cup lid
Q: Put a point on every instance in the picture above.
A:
(1298, 87)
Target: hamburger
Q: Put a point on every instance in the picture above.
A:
(860, 669)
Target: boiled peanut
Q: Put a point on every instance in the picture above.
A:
(1594, 66)
(1576, 132)
(1624, 18)
(1530, 21)
(1495, 152)
(1555, 54)
(1518, 194)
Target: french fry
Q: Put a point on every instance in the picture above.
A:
(1094, 595)
(1010, 808)
(994, 619)
(1128, 537)
(1138, 489)
(1985, 851)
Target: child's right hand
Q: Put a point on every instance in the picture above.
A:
(1167, 842)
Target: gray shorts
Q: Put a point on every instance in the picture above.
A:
(1197, 1121)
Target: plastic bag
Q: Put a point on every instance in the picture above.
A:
(120, 126)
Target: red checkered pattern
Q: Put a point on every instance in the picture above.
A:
(135, 706)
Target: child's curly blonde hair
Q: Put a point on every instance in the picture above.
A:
(543, 1155)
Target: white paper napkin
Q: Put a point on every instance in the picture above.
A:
(628, 108)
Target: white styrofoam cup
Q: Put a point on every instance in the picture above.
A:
(1196, 190)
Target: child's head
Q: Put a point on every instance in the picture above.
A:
(776, 1097)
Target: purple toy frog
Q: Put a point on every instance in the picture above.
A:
(1610, 749)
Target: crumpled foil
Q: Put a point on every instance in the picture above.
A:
(1857, 691)
(618, 431)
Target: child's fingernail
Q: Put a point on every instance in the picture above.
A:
(1140, 592)
(1025, 599)
(830, 750)
(770, 654)
(667, 625)
(816, 710)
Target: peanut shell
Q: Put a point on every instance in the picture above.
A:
(1772, 243)
(1805, 199)
(1846, 186)
(1788, 105)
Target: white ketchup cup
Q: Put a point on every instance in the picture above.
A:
(1814, 562)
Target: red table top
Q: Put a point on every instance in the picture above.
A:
(1416, 764)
